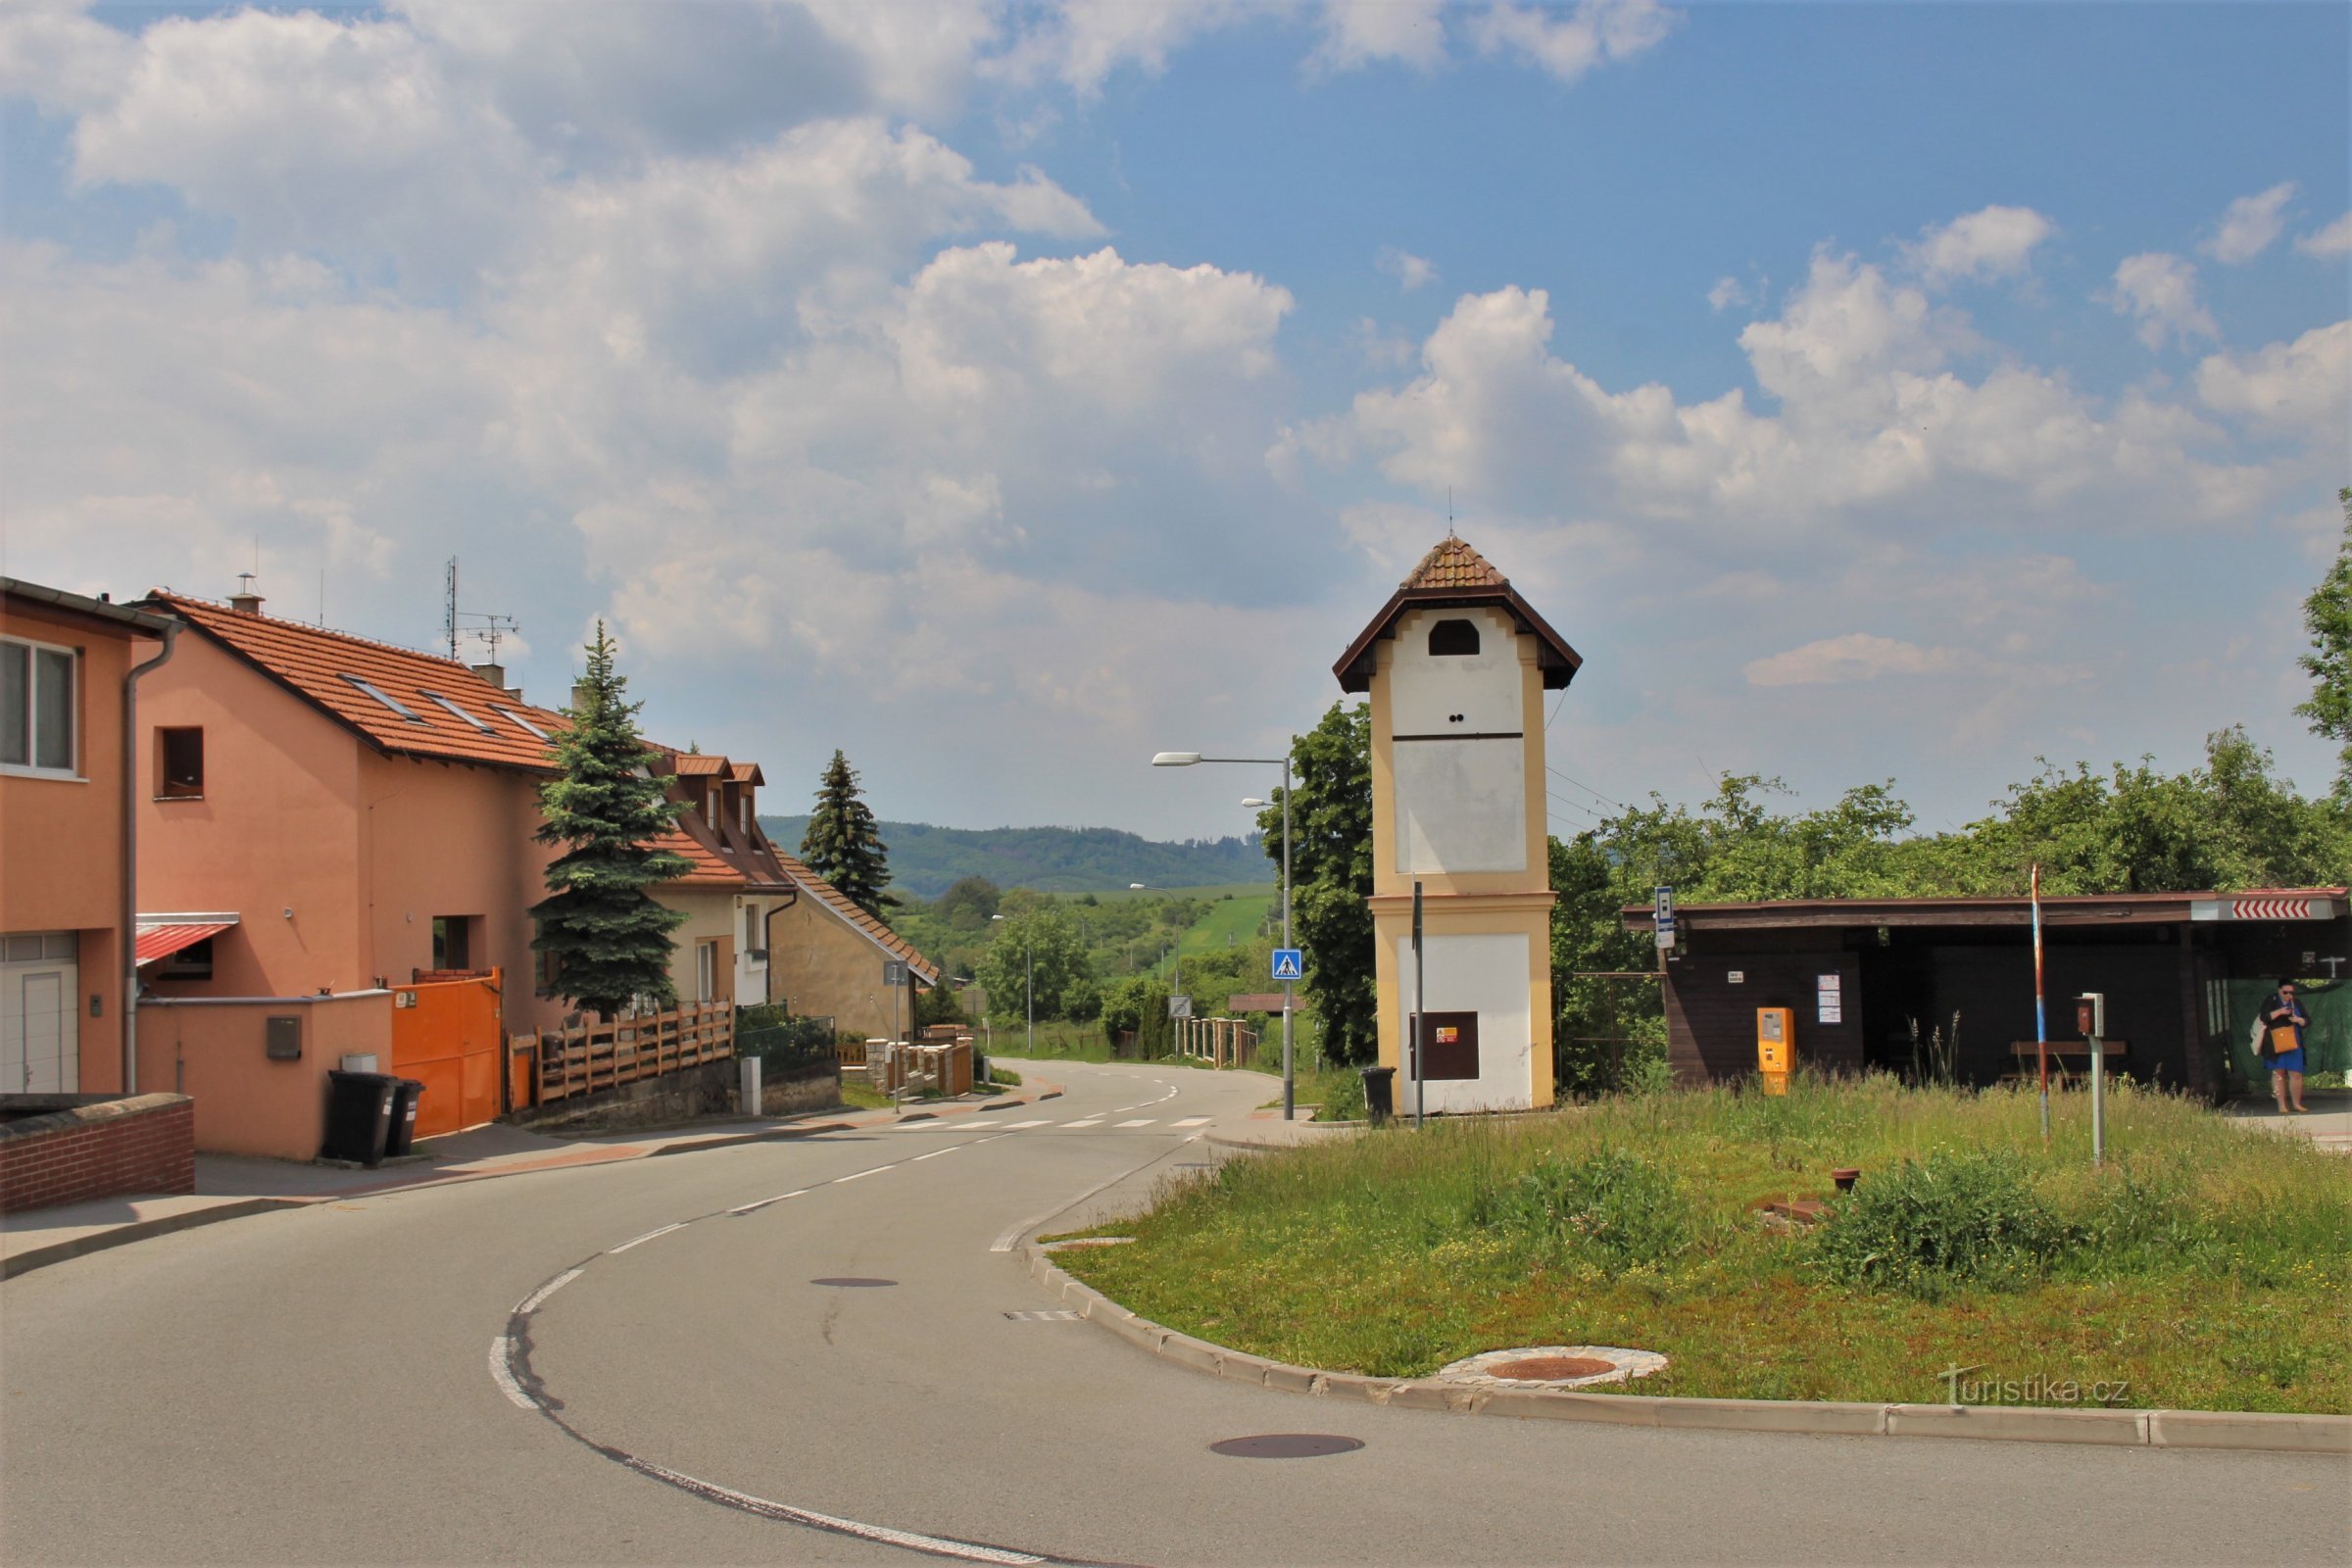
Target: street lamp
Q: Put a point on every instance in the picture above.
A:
(1028, 985)
(1192, 759)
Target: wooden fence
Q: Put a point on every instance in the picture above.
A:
(587, 1057)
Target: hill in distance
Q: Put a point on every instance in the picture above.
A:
(926, 861)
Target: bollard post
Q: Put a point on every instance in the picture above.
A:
(750, 1066)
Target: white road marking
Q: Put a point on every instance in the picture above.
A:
(1041, 1121)
(1003, 1242)
(1090, 1121)
(854, 1175)
(538, 1298)
(1193, 1121)
(503, 1374)
(647, 1237)
(1139, 1121)
(937, 1545)
(935, 1153)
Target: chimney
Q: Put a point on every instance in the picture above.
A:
(245, 602)
(579, 696)
(495, 676)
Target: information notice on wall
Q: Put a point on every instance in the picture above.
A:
(1829, 996)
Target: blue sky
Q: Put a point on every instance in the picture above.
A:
(1001, 394)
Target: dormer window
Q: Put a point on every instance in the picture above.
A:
(404, 710)
(1454, 639)
(437, 698)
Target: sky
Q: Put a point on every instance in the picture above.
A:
(1000, 394)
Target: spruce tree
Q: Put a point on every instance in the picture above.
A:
(842, 845)
(609, 940)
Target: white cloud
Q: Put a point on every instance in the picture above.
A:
(2249, 225)
(1727, 292)
(1855, 657)
(1357, 32)
(2334, 240)
(1568, 45)
(2304, 387)
(52, 53)
(2160, 292)
(1991, 242)
(1409, 271)
(1081, 43)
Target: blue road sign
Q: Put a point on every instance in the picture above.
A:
(1289, 964)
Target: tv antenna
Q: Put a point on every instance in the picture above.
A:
(495, 627)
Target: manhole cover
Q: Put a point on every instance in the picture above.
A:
(1285, 1446)
(852, 1282)
(1551, 1368)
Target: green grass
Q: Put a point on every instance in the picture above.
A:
(2208, 1266)
(858, 1097)
(1237, 890)
(1229, 922)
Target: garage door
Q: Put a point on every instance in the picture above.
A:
(40, 1044)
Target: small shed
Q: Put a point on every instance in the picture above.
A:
(2182, 972)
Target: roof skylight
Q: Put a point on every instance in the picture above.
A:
(436, 696)
(524, 722)
(405, 711)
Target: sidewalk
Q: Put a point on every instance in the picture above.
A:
(230, 1186)
(2329, 1124)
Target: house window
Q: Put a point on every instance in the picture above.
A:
(440, 701)
(179, 765)
(38, 707)
(1456, 639)
(191, 962)
(398, 707)
(453, 948)
(706, 970)
(522, 723)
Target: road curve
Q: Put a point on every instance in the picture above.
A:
(634, 1363)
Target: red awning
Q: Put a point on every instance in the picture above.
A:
(162, 940)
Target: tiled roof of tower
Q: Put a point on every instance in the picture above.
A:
(429, 706)
(882, 936)
(1453, 573)
(1454, 564)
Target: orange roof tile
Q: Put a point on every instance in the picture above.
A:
(1454, 564)
(710, 867)
(697, 765)
(1453, 573)
(470, 724)
(875, 931)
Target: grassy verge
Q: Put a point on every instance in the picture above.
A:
(2207, 1267)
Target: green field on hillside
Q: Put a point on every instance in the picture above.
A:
(1229, 922)
(1236, 890)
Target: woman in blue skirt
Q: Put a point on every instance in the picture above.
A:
(2283, 1012)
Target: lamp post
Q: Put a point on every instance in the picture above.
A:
(1028, 987)
(1194, 758)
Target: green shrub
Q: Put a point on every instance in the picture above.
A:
(1925, 1227)
(1003, 1077)
(1343, 1098)
(1608, 1208)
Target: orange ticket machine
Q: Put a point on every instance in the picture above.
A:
(1776, 1047)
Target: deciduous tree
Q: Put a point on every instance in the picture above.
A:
(1331, 876)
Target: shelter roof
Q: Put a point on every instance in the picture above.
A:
(2081, 910)
(1454, 574)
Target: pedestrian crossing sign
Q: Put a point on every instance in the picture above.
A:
(1287, 964)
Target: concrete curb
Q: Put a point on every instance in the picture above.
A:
(163, 1225)
(2142, 1429)
(140, 1230)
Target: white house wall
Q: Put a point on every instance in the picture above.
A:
(1488, 976)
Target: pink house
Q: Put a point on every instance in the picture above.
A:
(322, 818)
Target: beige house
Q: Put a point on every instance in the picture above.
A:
(761, 926)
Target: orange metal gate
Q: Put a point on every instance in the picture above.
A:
(446, 1035)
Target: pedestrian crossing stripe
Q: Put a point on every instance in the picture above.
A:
(1090, 1121)
(1193, 1121)
(1042, 1121)
(1139, 1121)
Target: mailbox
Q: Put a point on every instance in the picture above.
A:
(1776, 1047)
(2090, 1016)
(281, 1039)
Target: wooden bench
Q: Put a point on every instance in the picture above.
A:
(2068, 1057)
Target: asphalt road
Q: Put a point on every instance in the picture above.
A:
(352, 1383)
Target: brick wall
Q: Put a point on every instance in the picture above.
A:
(68, 1148)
